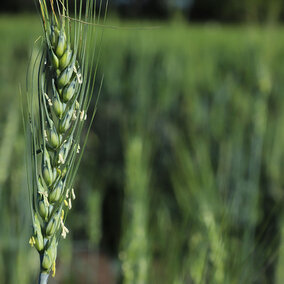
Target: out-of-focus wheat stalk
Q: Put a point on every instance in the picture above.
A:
(135, 246)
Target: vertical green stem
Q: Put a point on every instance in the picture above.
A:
(43, 278)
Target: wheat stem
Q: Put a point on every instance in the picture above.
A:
(43, 278)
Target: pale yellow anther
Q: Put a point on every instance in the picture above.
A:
(73, 194)
(78, 149)
(79, 75)
(46, 96)
(69, 203)
(65, 231)
(60, 159)
(53, 269)
(32, 241)
(65, 202)
(80, 80)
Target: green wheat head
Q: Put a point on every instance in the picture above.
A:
(59, 92)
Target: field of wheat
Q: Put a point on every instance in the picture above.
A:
(182, 177)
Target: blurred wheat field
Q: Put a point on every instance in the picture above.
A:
(182, 176)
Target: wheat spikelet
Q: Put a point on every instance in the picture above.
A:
(58, 100)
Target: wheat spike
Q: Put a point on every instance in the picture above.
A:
(57, 100)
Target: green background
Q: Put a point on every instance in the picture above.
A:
(182, 178)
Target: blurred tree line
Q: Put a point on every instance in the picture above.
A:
(193, 10)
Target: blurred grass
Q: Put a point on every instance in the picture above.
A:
(182, 175)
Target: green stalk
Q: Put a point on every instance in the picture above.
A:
(43, 278)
